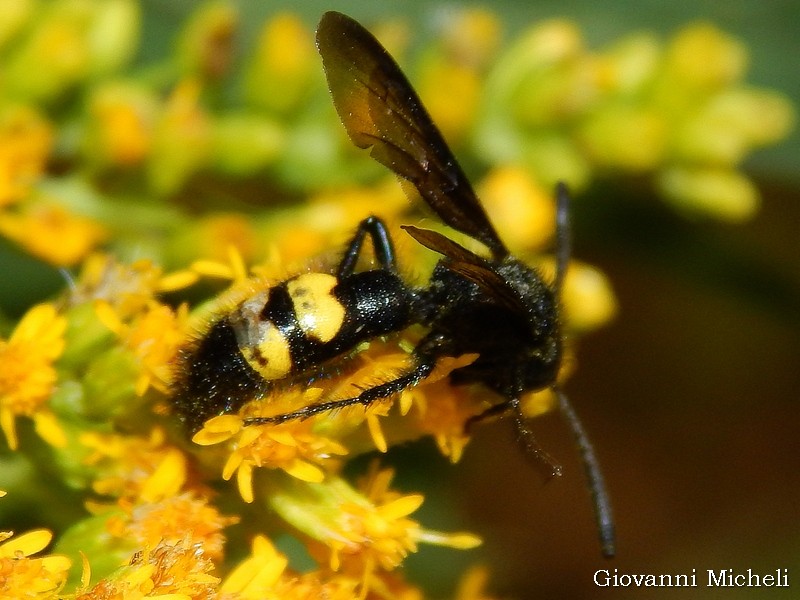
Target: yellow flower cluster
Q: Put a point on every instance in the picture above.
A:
(28, 376)
(94, 371)
(544, 105)
(200, 203)
(24, 575)
(676, 110)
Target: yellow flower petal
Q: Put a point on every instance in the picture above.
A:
(49, 429)
(212, 268)
(26, 544)
(234, 462)
(8, 423)
(282, 436)
(305, 471)
(402, 507)
(176, 281)
(108, 316)
(460, 541)
(167, 479)
(375, 431)
(244, 481)
(218, 429)
(259, 572)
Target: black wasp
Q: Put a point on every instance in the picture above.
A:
(497, 307)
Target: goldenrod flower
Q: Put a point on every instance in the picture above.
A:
(184, 518)
(25, 141)
(49, 231)
(264, 575)
(23, 575)
(442, 411)
(154, 338)
(122, 124)
(169, 570)
(212, 239)
(291, 446)
(473, 584)
(28, 376)
(587, 297)
(181, 139)
(128, 288)
(206, 45)
(259, 573)
(362, 532)
(133, 468)
(521, 207)
(282, 66)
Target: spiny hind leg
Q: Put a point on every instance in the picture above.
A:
(365, 398)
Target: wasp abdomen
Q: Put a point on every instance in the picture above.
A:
(314, 317)
(216, 377)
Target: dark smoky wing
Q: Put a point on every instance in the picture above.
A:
(492, 283)
(380, 109)
(433, 240)
(470, 266)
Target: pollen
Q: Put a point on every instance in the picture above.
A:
(184, 518)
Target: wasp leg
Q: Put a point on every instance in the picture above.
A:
(381, 242)
(365, 398)
(525, 436)
(529, 443)
(493, 411)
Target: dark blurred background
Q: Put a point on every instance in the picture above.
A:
(690, 395)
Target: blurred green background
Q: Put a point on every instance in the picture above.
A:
(690, 395)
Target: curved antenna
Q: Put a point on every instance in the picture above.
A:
(563, 236)
(594, 475)
(591, 466)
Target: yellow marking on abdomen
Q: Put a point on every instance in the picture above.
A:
(270, 357)
(261, 343)
(319, 314)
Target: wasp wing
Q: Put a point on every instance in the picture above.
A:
(380, 109)
(470, 266)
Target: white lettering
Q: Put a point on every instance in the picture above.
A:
(603, 575)
(719, 578)
(714, 581)
(728, 578)
(605, 578)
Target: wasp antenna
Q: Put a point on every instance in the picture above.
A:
(563, 235)
(597, 484)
